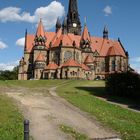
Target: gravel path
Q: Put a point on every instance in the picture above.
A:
(46, 113)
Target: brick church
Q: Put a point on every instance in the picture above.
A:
(71, 52)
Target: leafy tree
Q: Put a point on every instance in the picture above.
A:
(9, 75)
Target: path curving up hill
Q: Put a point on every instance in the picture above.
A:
(47, 111)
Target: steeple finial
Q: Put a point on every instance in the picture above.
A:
(25, 47)
(85, 21)
(65, 25)
(105, 32)
(58, 24)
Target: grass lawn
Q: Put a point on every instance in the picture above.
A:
(31, 83)
(11, 120)
(72, 132)
(81, 94)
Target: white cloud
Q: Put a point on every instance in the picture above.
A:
(14, 14)
(3, 45)
(135, 63)
(9, 66)
(20, 42)
(48, 14)
(107, 10)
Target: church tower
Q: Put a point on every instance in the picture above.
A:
(73, 20)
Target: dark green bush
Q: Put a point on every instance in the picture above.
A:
(124, 84)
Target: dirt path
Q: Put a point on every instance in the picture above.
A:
(47, 112)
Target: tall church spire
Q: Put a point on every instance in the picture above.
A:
(73, 20)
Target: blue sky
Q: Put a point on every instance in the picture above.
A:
(121, 16)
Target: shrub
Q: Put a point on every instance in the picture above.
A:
(124, 84)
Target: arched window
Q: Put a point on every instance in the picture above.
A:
(113, 65)
(102, 66)
(74, 15)
(118, 65)
(67, 55)
(77, 56)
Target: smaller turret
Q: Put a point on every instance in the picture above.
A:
(39, 66)
(105, 33)
(40, 38)
(58, 24)
(64, 29)
(85, 40)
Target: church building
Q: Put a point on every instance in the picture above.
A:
(71, 52)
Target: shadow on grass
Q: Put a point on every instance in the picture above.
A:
(100, 92)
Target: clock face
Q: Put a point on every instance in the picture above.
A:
(74, 25)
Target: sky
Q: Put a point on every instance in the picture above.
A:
(121, 17)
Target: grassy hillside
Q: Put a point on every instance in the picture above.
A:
(31, 83)
(81, 94)
(11, 120)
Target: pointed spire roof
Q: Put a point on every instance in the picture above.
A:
(52, 66)
(40, 29)
(58, 23)
(73, 6)
(89, 59)
(85, 34)
(71, 63)
(25, 47)
(65, 22)
(40, 57)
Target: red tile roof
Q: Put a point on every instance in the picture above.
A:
(112, 51)
(85, 67)
(40, 57)
(52, 66)
(98, 44)
(71, 63)
(89, 59)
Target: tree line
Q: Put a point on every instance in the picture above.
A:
(9, 75)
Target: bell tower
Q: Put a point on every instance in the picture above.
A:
(73, 20)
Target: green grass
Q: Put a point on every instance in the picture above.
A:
(31, 83)
(11, 120)
(72, 132)
(81, 94)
